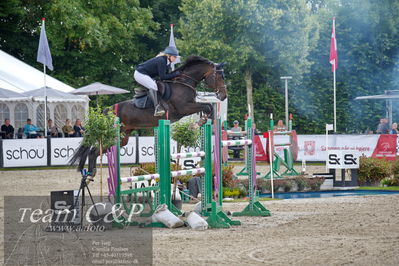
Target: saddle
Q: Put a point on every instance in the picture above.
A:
(142, 101)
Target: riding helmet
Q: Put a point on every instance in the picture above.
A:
(171, 50)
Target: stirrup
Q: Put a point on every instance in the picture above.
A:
(159, 111)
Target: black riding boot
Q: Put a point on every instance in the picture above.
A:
(159, 111)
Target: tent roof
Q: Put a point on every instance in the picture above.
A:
(7, 95)
(98, 88)
(19, 75)
(389, 95)
(54, 95)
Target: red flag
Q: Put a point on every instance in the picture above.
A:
(333, 49)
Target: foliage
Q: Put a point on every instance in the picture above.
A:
(260, 40)
(389, 182)
(287, 185)
(228, 176)
(394, 188)
(315, 183)
(89, 40)
(276, 185)
(231, 192)
(100, 129)
(185, 134)
(261, 183)
(395, 168)
(372, 170)
(301, 183)
(144, 169)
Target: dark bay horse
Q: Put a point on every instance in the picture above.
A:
(181, 103)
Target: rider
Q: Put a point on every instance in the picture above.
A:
(156, 67)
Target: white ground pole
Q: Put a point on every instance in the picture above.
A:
(271, 156)
(328, 128)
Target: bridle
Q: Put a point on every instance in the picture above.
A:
(214, 74)
(212, 71)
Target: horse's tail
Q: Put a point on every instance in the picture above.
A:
(79, 157)
(83, 153)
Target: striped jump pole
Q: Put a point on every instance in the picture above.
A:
(162, 191)
(188, 155)
(276, 159)
(194, 171)
(229, 143)
(254, 207)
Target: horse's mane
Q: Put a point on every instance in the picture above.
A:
(194, 60)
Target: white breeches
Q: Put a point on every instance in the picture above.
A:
(145, 80)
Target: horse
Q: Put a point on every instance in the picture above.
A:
(181, 103)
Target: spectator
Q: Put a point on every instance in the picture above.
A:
(7, 130)
(236, 149)
(31, 131)
(52, 130)
(236, 127)
(280, 126)
(67, 129)
(394, 129)
(383, 127)
(79, 130)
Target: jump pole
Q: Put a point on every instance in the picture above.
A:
(254, 208)
(162, 193)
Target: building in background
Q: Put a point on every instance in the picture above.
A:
(28, 102)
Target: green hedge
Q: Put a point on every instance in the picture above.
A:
(373, 171)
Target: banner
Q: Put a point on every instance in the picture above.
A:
(127, 153)
(24, 152)
(33, 152)
(313, 147)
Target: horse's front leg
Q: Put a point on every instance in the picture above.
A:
(192, 108)
(125, 136)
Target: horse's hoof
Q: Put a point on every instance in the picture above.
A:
(202, 122)
(194, 126)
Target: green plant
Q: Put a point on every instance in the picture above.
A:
(144, 169)
(372, 170)
(185, 133)
(389, 182)
(301, 183)
(228, 177)
(243, 192)
(276, 185)
(315, 183)
(99, 128)
(231, 193)
(395, 170)
(100, 132)
(287, 185)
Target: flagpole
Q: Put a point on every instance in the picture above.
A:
(334, 62)
(45, 95)
(335, 104)
(45, 101)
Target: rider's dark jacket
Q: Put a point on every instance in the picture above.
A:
(156, 67)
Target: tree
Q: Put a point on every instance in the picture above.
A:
(100, 132)
(260, 40)
(367, 35)
(89, 40)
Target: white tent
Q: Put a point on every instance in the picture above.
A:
(20, 77)
(25, 77)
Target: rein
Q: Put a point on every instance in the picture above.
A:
(179, 82)
(211, 71)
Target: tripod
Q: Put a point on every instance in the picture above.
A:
(82, 188)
